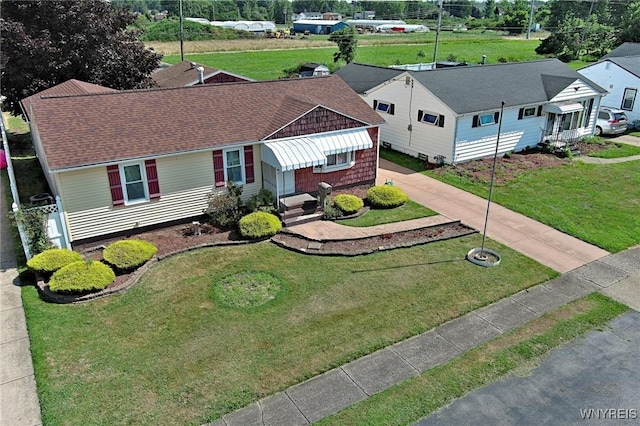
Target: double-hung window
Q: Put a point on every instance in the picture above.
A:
(486, 119)
(339, 161)
(629, 99)
(133, 182)
(233, 166)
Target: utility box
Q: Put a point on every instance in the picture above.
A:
(324, 189)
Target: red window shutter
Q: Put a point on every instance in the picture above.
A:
(218, 168)
(248, 164)
(152, 179)
(117, 196)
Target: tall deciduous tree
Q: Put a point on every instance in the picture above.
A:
(630, 25)
(45, 43)
(347, 44)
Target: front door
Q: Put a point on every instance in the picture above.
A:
(551, 120)
(288, 183)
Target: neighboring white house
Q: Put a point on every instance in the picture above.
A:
(452, 115)
(620, 76)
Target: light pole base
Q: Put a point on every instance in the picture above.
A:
(483, 257)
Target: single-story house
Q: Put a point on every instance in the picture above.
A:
(317, 26)
(188, 73)
(620, 75)
(452, 115)
(122, 160)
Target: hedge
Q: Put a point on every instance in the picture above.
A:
(51, 260)
(349, 204)
(129, 254)
(82, 276)
(386, 196)
(259, 225)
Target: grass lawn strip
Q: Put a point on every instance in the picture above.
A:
(410, 210)
(166, 352)
(516, 352)
(618, 150)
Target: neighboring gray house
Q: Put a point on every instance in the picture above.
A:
(621, 77)
(452, 114)
(625, 49)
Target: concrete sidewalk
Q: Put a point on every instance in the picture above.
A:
(18, 397)
(341, 387)
(548, 246)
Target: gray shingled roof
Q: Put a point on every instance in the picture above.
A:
(485, 87)
(362, 77)
(629, 63)
(625, 49)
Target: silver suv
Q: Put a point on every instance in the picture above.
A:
(611, 121)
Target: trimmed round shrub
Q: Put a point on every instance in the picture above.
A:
(51, 260)
(386, 196)
(81, 277)
(348, 203)
(129, 254)
(259, 225)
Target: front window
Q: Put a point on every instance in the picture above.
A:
(629, 99)
(340, 159)
(430, 118)
(487, 119)
(233, 166)
(529, 112)
(134, 183)
(383, 106)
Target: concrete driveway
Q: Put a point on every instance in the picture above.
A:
(592, 379)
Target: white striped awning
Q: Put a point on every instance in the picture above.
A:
(563, 108)
(298, 153)
(292, 154)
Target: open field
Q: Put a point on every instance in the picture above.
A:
(169, 352)
(263, 65)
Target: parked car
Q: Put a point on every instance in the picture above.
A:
(611, 121)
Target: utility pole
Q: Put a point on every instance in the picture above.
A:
(435, 49)
(181, 34)
(530, 20)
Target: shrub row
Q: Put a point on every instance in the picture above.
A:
(70, 273)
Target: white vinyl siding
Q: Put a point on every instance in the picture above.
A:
(577, 90)
(615, 80)
(185, 181)
(423, 139)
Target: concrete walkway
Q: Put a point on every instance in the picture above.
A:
(548, 246)
(19, 404)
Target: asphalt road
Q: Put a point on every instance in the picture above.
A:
(592, 380)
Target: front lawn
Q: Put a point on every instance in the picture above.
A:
(170, 352)
(409, 210)
(617, 150)
(598, 204)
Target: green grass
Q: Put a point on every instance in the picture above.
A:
(516, 352)
(598, 204)
(637, 134)
(618, 150)
(404, 160)
(165, 352)
(267, 65)
(409, 210)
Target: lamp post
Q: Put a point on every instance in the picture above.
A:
(435, 49)
(480, 255)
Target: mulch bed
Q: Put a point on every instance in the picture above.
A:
(180, 238)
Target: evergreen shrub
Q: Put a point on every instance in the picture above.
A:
(386, 196)
(81, 277)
